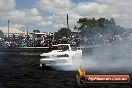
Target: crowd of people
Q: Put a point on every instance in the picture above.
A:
(43, 41)
(108, 40)
(46, 41)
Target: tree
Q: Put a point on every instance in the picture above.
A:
(64, 32)
(36, 31)
(87, 26)
(101, 22)
(1, 33)
(87, 23)
(56, 36)
(90, 26)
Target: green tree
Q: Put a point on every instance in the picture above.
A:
(90, 26)
(101, 22)
(87, 23)
(87, 26)
(64, 32)
(56, 36)
(1, 33)
(36, 31)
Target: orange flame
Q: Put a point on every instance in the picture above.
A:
(81, 71)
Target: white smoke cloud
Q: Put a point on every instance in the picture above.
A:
(112, 59)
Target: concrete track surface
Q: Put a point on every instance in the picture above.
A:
(24, 72)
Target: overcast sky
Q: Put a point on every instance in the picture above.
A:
(50, 15)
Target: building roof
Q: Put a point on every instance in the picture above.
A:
(12, 30)
(43, 33)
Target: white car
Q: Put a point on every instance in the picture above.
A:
(61, 55)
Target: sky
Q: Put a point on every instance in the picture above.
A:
(50, 15)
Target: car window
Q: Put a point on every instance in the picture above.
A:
(63, 47)
(54, 47)
(73, 48)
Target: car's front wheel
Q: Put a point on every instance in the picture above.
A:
(43, 66)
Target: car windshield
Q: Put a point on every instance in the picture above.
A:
(73, 47)
(54, 47)
(63, 47)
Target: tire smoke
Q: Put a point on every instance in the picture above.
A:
(106, 59)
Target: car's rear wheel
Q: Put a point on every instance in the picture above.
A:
(45, 67)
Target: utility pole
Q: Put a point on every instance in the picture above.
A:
(27, 31)
(67, 22)
(8, 29)
(27, 37)
(67, 26)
